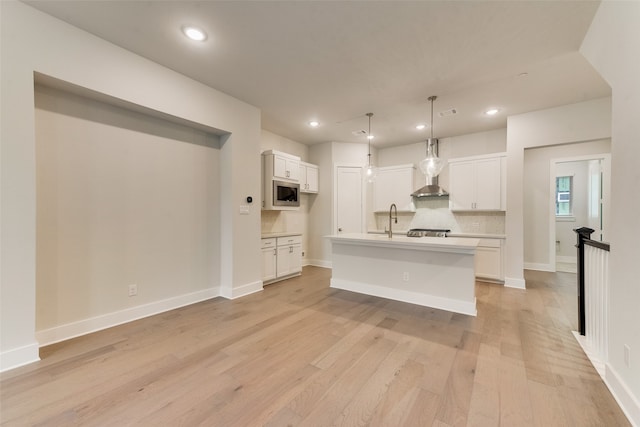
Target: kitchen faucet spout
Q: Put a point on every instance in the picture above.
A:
(392, 208)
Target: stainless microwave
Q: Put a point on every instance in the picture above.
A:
(285, 194)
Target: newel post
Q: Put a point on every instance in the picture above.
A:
(583, 233)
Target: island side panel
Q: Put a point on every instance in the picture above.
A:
(443, 280)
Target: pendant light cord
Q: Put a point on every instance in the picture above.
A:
(369, 137)
(431, 98)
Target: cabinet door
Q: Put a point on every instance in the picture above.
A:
(268, 264)
(289, 260)
(292, 169)
(462, 185)
(295, 263)
(302, 177)
(488, 185)
(279, 167)
(312, 179)
(489, 263)
(283, 263)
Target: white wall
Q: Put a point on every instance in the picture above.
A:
(585, 121)
(538, 254)
(32, 41)
(612, 45)
(327, 156)
(122, 198)
(320, 219)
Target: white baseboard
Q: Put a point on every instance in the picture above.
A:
(569, 259)
(20, 356)
(539, 266)
(598, 364)
(513, 282)
(94, 324)
(241, 291)
(621, 393)
(319, 263)
(407, 296)
(625, 398)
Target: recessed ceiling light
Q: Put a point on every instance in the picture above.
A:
(370, 136)
(194, 33)
(314, 123)
(420, 126)
(492, 112)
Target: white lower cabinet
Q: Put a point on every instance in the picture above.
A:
(269, 256)
(281, 257)
(489, 264)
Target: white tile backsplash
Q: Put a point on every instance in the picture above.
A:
(435, 213)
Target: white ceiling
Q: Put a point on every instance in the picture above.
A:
(334, 61)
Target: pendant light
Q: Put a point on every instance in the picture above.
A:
(432, 165)
(370, 171)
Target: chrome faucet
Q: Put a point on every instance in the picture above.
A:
(391, 208)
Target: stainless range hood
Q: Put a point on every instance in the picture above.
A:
(432, 189)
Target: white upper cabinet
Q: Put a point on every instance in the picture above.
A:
(393, 184)
(282, 165)
(478, 183)
(308, 178)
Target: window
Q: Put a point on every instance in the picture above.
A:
(564, 196)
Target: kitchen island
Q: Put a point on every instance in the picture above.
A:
(430, 271)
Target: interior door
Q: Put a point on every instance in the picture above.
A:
(594, 210)
(349, 207)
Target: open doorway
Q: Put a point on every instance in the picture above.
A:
(580, 199)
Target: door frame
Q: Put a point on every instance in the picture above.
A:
(334, 219)
(606, 197)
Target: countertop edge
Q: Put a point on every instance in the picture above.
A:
(461, 234)
(402, 242)
(280, 234)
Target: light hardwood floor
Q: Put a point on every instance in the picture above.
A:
(302, 354)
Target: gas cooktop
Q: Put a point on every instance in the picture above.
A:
(427, 232)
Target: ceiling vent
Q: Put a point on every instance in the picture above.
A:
(359, 132)
(449, 112)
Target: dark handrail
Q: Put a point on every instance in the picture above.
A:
(584, 238)
(597, 244)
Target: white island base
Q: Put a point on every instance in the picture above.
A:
(430, 271)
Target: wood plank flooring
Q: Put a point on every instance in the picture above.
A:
(302, 354)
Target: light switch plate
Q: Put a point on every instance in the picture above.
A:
(244, 210)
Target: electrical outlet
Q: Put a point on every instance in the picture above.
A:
(627, 356)
(133, 290)
(405, 276)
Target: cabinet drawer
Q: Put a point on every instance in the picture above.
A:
(268, 243)
(489, 243)
(289, 240)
